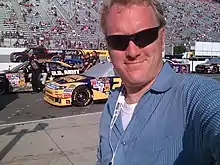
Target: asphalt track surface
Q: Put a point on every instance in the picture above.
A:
(23, 107)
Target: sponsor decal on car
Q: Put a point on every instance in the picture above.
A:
(51, 86)
(65, 72)
(68, 90)
(93, 82)
(54, 51)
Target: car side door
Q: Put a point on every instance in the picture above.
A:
(20, 79)
(56, 69)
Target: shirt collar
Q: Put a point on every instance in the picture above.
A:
(165, 80)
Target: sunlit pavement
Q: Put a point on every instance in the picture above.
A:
(62, 141)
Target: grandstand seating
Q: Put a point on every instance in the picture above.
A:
(75, 23)
(192, 20)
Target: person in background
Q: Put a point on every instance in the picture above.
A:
(35, 70)
(61, 57)
(86, 61)
(158, 116)
(95, 58)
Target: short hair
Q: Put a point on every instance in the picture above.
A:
(107, 4)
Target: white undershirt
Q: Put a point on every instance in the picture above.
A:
(126, 113)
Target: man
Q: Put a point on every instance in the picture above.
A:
(61, 57)
(86, 61)
(35, 70)
(158, 117)
(94, 58)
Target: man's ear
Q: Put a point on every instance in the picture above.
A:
(163, 37)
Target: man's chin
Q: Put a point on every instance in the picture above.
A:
(135, 83)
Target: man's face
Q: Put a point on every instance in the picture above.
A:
(137, 66)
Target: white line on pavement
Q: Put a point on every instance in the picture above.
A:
(45, 120)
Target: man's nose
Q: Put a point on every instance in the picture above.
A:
(132, 50)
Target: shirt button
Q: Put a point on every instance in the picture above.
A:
(123, 143)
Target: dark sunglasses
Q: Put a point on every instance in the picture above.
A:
(141, 39)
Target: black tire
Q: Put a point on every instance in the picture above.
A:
(3, 87)
(81, 96)
(215, 70)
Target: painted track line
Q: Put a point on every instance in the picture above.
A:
(46, 120)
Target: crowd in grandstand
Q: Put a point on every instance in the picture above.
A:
(75, 23)
(192, 21)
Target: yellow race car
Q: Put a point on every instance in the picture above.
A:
(80, 90)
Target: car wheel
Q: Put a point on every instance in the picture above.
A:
(81, 96)
(215, 70)
(2, 86)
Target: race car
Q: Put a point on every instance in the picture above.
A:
(178, 66)
(18, 79)
(211, 66)
(80, 90)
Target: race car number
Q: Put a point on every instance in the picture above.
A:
(116, 83)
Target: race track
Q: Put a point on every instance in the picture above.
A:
(23, 107)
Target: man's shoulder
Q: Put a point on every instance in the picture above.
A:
(194, 80)
(195, 87)
(200, 95)
(200, 87)
(203, 98)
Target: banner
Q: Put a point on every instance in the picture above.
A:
(98, 52)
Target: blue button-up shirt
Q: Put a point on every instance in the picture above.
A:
(176, 122)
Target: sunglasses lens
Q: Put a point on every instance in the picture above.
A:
(118, 42)
(146, 37)
(141, 39)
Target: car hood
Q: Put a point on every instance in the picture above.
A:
(4, 71)
(69, 79)
(63, 82)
